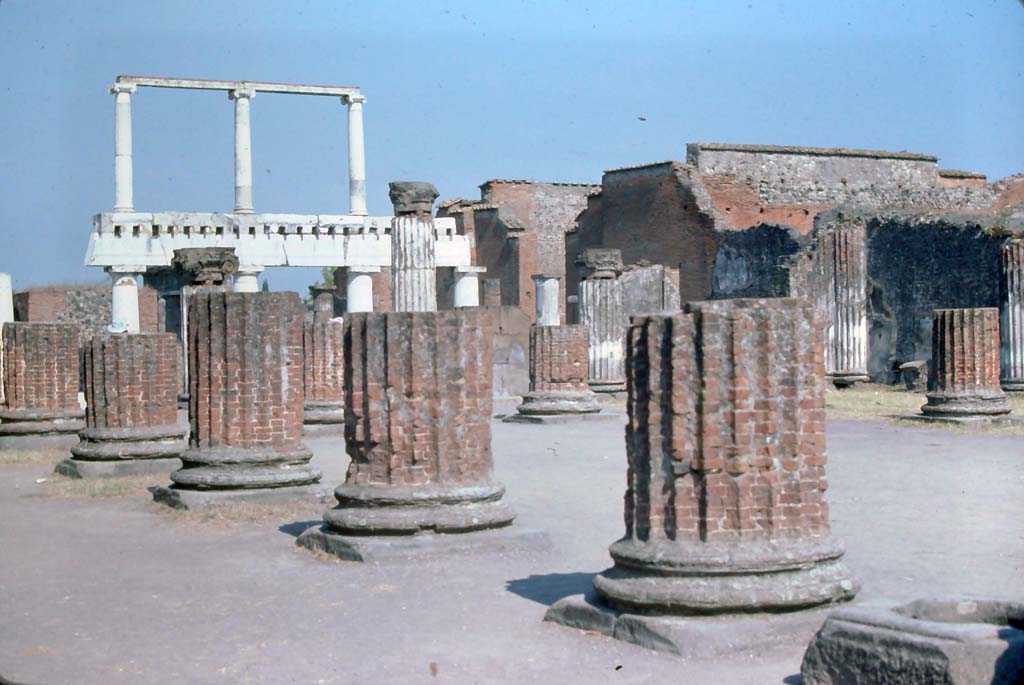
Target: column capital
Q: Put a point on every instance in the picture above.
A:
(239, 93)
(364, 269)
(354, 99)
(125, 270)
(118, 88)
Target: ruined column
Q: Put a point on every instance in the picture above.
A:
(323, 377)
(131, 415)
(413, 245)
(1011, 315)
(6, 316)
(359, 288)
(124, 299)
(467, 286)
(123, 183)
(245, 402)
(844, 256)
(243, 150)
(41, 408)
(547, 297)
(964, 382)
(725, 509)
(417, 428)
(602, 311)
(323, 302)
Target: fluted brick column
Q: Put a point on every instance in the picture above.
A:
(245, 398)
(725, 508)
(843, 254)
(1011, 315)
(40, 377)
(324, 377)
(602, 312)
(417, 429)
(413, 264)
(131, 422)
(965, 365)
(559, 369)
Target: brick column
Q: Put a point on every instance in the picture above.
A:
(131, 394)
(323, 377)
(602, 312)
(1011, 315)
(40, 378)
(724, 503)
(417, 429)
(245, 401)
(558, 373)
(965, 365)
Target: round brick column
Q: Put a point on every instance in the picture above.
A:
(323, 377)
(40, 377)
(418, 425)
(131, 422)
(245, 394)
(724, 505)
(559, 369)
(1011, 315)
(965, 364)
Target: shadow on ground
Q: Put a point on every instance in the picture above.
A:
(551, 587)
(296, 529)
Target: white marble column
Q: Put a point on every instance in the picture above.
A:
(359, 288)
(1011, 315)
(548, 312)
(467, 286)
(124, 299)
(243, 150)
(247, 279)
(601, 311)
(356, 156)
(846, 305)
(413, 264)
(123, 191)
(6, 316)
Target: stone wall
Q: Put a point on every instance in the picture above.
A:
(41, 367)
(131, 381)
(752, 263)
(86, 306)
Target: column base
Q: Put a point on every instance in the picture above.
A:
(989, 403)
(122, 444)
(26, 429)
(407, 510)
(603, 386)
(233, 468)
(323, 418)
(180, 498)
(1012, 384)
(673, 578)
(559, 402)
(845, 379)
(75, 468)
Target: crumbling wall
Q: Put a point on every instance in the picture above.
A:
(752, 263)
(86, 306)
(649, 288)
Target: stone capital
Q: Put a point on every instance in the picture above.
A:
(125, 270)
(353, 99)
(239, 93)
(123, 88)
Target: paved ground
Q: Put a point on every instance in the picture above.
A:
(119, 591)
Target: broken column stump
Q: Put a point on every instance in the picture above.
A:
(964, 385)
(40, 378)
(245, 402)
(417, 429)
(725, 509)
(131, 393)
(323, 377)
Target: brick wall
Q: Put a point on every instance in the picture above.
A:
(131, 380)
(41, 367)
(88, 307)
(559, 358)
(323, 361)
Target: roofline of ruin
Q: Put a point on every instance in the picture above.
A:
(693, 149)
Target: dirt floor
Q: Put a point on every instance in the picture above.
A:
(100, 585)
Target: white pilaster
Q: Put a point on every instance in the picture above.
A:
(467, 286)
(356, 156)
(123, 190)
(548, 313)
(124, 299)
(243, 150)
(359, 288)
(247, 279)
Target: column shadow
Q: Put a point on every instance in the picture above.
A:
(548, 588)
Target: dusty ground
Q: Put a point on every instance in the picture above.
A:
(106, 587)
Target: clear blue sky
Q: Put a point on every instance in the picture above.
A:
(459, 92)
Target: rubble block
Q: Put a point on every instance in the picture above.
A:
(323, 378)
(558, 374)
(131, 423)
(724, 509)
(245, 402)
(417, 429)
(926, 642)
(965, 364)
(40, 378)
(915, 375)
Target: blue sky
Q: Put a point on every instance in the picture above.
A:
(459, 92)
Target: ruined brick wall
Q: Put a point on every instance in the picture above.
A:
(752, 263)
(41, 367)
(559, 358)
(245, 370)
(418, 397)
(87, 307)
(323, 361)
(726, 433)
(131, 380)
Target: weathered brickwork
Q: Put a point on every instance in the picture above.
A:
(725, 506)
(41, 367)
(559, 358)
(965, 364)
(323, 376)
(131, 381)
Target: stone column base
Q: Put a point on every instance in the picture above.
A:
(74, 468)
(233, 468)
(323, 418)
(952, 404)
(36, 429)
(559, 402)
(674, 577)
(607, 385)
(180, 498)
(845, 379)
(1012, 384)
(407, 510)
